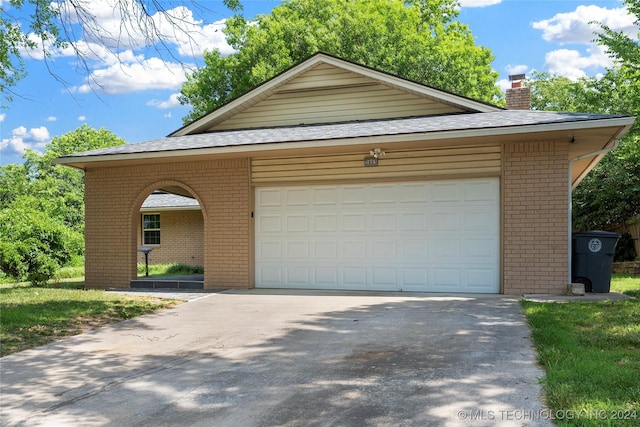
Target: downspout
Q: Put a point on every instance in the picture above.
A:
(570, 213)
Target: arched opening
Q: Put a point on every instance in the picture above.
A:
(169, 235)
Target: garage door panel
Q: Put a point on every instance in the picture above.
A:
(296, 197)
(422, 236)
(327, 249)
(354, 277)
(383, 250)
(443, 192)
(325, 196)
(299, 276)
(414, 250)
(269, 224)
(382, 221)
(481, 279)
(444, 220)
(269, 198)
(270, 275)
(297, 223)
(481, 220)
(297, 250)
(384, 277)
(270, 249)
(444, 249)
(326, 276)
(356, 249)
(480, 190)
(446, 278)
(326, 223)
(414, 277)
(354, 195)
(480, 250)
(413, 193)
(412, 221)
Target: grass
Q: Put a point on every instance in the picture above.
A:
(626, 284)
(160, 270)
(33, 316)
(591, 354)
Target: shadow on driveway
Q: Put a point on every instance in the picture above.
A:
(267, 359)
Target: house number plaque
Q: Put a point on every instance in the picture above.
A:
(370, 161)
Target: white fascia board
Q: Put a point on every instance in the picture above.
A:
(624, 122)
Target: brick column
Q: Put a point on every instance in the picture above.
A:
(535, 209)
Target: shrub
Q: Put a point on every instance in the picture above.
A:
(34, 245)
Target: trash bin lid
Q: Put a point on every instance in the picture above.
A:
(597, 233)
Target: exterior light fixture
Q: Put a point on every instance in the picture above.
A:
(372, 159)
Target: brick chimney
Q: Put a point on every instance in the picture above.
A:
(518, 96)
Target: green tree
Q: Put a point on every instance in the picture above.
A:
(624, 49)
(417, 40)
(42, 209)
(53, 24)
(610, 194)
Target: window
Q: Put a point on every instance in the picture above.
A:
(151, 229)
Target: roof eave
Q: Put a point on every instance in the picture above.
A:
(624, 122)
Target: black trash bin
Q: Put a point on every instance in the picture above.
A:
(592, 259)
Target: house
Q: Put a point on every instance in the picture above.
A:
(333, 175)
(172, 226)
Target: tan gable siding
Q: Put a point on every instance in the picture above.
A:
(535, 206)
(425, 164)
(328, 94)
(113, 197)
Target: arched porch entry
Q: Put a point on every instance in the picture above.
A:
(168, 226)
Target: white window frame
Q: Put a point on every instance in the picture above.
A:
(144, 240)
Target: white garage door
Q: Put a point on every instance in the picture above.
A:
(438, 236)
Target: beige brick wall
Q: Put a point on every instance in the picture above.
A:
(535, 206)
(181, 238)
(534, 218)
(113, 197)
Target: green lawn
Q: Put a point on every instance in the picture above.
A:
(591, 354)
(33, 316)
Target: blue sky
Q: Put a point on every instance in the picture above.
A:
(135, 95)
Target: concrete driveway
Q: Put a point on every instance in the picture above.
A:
(279, 358)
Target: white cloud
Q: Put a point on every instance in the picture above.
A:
(169, 103)
(504, 84)
(116, 28)
(22, 139)
(111, 46)
(2, 117)
(152, 73)
(82, 118)
(194, 41)
(168, 115)
(517, 69)
(578, 26)
(52, 118)
(479, 3)
(571, 63)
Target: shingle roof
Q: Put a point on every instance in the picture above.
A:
(166, 200)
(370, 128)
